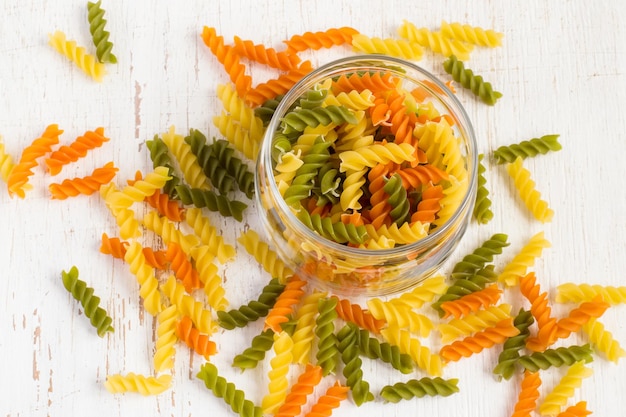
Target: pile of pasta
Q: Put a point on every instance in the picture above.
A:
(307, 335)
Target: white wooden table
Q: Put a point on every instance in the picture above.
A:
(561, 70)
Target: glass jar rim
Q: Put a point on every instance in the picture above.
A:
(355, 63)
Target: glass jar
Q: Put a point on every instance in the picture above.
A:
(380, 256)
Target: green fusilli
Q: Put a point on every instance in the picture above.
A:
(347, 343)
(327, 350)
(227, 390)
(252, 355)
(482, 207)
(419, 388)
(84, 294)
(556, 357)
(527, 148)
(252, 311)
(100, 36)
(471, 81)
(507, 360)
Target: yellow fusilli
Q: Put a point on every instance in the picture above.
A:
(278, 381)
(527, 191)
(525, 258)
(149, 285)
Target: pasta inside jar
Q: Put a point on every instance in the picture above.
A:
(367, 175)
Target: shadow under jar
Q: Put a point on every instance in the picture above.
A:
(366, 178)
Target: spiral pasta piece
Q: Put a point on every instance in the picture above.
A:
(330, 400)
(209, 236)
(557, 398)
(472, 34)
(188, 306)
(407, 233)
(507, 360)
(540, 309)
(6, 162)
(299, 119)
(336, 231)
(376, 82)
(581, 315)
(475, 83)
(482, 207)
(561, 356)
(98, 316)
(435, 41)
(398, 200)
(77, 54)
(303, 181)
(264, 255)
(139, 190)
(421, 355)
(428, 206)
(603, 340)
(254, 309)
(206, 198)
(479, 341)
(356, 314)
(297, 396)
(577, 293)
(399, 48)
(142, 384)
(400, 316)
(227, 390)
(471, 302)
(473, 323)
(528, 395)
(200, 343)
(347, 344)
(76, 150)
(376, 154)
(319, 40)
(148, 284)
(356, 100)
(415, 177)
(277, 375)
(373, 348)
(166, 339)
(471, 263)
(303, 334)
(85, 185)
(527, 191)
(252, 355)
(327, 353)
(285, 302)
(227, 56)
(99, 35)
(527, 148)
(418, 388)
(277, 87)
(17, 180)
(423, 293)
(525, 258)
(124, 217)
(282, 60)
(182, 267)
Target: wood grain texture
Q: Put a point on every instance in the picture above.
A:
(561, 70)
